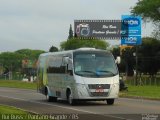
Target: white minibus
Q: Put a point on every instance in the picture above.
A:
(78, 75)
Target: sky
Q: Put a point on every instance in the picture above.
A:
(39, 24)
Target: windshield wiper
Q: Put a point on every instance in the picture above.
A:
(88, 71)
(106, 71)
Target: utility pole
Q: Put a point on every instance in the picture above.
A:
(136, 79)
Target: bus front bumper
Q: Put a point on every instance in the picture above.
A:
(84, 93)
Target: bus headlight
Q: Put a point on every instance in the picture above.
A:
(81, 86)
(82, 90)
(115, 85)
(114, 90)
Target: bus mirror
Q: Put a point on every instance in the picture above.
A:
(66, 59)
(118, 60)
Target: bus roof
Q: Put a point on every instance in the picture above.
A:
(71, 51)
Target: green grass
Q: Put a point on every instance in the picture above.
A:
(152, 92)
(12, 113)
(17, 84)
(10, 110)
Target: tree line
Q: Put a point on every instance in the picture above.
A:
(12, 61)
(148, 57)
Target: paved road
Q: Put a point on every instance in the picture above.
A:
(124, 108)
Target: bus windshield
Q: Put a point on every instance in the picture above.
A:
(94, 64)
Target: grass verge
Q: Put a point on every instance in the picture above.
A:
(10, 110)
(12, 113)
(150, 92)
(17, 84)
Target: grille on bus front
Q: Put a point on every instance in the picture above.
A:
(95, 86)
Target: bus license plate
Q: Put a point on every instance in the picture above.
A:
(99, 90)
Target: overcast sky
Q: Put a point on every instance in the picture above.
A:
(39, 24)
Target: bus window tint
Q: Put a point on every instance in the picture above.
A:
(94, 64)
(55, 65)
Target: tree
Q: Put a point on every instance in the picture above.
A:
(78, 43)
(156, 31)
(75, 35)
(149, 10)
(30, 54)
(70, 32)
(149, 56)
(13, 60)
(53, 49)
(127, 64)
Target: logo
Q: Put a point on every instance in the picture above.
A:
(83, 30)
(99, 86)
(131, 39)
(150, 117)
(131, 22)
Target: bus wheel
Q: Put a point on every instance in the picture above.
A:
(110, 101)
(49, 98)
(70, 99)
(54, 99)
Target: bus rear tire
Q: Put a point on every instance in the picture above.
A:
(54, 99)
(110, 101)
(49, 98)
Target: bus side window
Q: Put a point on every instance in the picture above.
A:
(56, 66)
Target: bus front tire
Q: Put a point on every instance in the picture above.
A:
(110, 101)
(69, 98)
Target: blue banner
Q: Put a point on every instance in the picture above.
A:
(131, 30)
